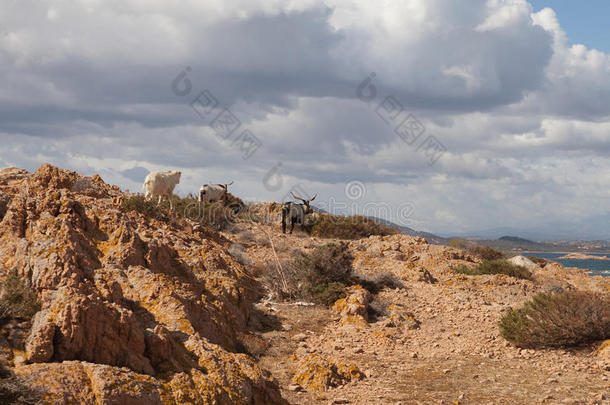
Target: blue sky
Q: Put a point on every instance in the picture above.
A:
(585, 22)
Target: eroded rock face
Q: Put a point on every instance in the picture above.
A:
(136, 310)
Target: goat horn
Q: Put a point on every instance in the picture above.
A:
(297, 198)
(313, 198)
(228, 184)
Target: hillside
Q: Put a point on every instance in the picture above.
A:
(140, 306)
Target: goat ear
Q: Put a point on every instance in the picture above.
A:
(228, 184)
(313, 198)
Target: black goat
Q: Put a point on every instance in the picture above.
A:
(296, 212)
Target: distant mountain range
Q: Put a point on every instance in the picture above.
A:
(506, 242)
(511, 243)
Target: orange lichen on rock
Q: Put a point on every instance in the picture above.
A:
(401, 318)
(354, 307)
(132, 311)
(603, 355)
(316, 373)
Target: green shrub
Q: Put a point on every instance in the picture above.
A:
(496, 267)
(557, 320)
(17, 299)
(352, 227)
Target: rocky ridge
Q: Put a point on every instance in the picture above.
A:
(133, 310)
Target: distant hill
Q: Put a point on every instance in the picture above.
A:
(515, 239)
(430, 237)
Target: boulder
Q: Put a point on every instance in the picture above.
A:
(317, 373)
(523, 261)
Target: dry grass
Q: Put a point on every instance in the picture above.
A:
(352, 227)
(17, 299)
(214, 215)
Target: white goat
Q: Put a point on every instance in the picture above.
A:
(213, 192)
(158, 184)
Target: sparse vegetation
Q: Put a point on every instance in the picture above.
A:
(538, 260)
(352, 227)
(215, 215)
(499, 266)
(482, 252)
(459, 243)
(486, 253)
(557, 320)
(322, 276)
(17, 299)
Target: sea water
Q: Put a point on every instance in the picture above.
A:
(594, 267)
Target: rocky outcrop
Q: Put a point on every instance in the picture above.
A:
(316, 373)
(354, 307)
(134, 310)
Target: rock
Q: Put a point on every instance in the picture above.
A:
(354, 308)
(401, 318)
(427, 277)
(603, 355)
(134, 310)
(523, 261)
(316, 373)
(299, 337)
(295, 387)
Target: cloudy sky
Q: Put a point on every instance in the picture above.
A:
(480, 117)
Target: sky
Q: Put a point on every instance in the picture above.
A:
(480, 118)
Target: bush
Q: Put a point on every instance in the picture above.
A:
(17, 299)
(321, 276)
(497, 267)
(352, 227)
(486, 253)
(557, 320)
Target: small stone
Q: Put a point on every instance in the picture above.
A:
(295, 387)
(299, 337)
(359, 350)
(339, 401)
(413, 355)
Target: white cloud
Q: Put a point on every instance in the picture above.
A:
(524, 115)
